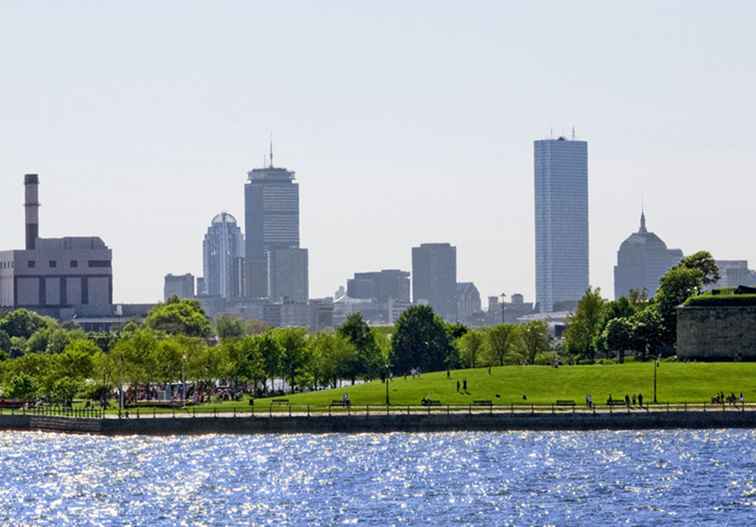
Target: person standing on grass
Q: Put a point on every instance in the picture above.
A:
(457, 385)
(640, 400)
(464, 385)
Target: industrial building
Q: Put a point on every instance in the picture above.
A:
(54, 275)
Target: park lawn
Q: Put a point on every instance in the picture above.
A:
(676, 382)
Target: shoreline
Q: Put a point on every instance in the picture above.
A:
(416, 423)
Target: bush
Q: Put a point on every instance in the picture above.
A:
(721, 301)
(546, 358)
(21, 386)
(606, 361)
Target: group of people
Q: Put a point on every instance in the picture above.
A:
(630, 400)
(721, 398)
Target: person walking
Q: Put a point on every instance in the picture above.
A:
(457, 385)
(464, 385)
(640, 400)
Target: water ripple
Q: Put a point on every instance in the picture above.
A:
(572, 478)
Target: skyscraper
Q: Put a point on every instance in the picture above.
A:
(642, 260)
(561, 222)
(287, 275)
(434, 278)
(222, 247)
(271, 216)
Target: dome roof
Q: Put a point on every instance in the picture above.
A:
(643, 238)
(223, 217)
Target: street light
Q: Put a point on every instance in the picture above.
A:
(388, 373)
(656, 365)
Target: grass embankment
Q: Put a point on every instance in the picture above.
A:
(676, 382)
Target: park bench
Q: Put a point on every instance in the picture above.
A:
(564, 402)
(482, 403)
(341, 403)
(279, 401)
(430, 402)
(616, 402)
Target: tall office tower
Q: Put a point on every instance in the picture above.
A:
(287, 275)
(434, 278)
(221, 248)
(561, 222)
(181, 286)
(271, 217)
(642, 260)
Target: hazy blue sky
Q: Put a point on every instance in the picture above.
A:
(406, 122)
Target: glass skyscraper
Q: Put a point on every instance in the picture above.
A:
(271, 214)
(561, 222)
(222, 247)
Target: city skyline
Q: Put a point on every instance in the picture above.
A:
(158, 137)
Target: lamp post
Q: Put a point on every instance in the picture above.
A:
(656, 365)
(388, 374)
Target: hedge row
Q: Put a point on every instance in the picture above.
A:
(721, 300)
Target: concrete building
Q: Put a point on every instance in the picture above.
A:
(734, 273)
(222, 248)
(287, 275)
(51, 274)
(181, 286)
(642, 260)
(561, 221)
(380, 286)
(271, 215)
(434, 278)
(468, 301)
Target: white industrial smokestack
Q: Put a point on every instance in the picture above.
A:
(31, 184)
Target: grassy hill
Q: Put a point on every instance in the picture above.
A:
(676, 382)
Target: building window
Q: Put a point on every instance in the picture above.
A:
(99, 263)
(53, 264)
(31, 264)
(74, 263)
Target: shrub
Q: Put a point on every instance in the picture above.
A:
(721, 301)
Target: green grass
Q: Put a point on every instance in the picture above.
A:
(676, 382)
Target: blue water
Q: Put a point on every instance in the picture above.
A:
(536, 478)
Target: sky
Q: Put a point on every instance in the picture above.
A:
(405, 122)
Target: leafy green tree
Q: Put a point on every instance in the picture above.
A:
(585, 325)
(675, 287)
(471, 347)
(500, 343)
(64, 390)
(21, 386)
(250, 365)
(179, 317)
(293, 342)
(702, 261)
(366, 363)
(77, 361)
(272, 353)
(229, 327)
(535, 339)
(618, 336)
(331, 355)
(456, 330)
(649, 334)
(421, 341)
(5, 343)
(23, 323)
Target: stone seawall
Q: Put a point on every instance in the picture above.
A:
(382, 424)
(716, 333)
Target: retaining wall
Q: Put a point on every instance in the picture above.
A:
(379, 424)
(716, 333)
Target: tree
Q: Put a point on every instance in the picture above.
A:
(618, 336)
(500, 342)
(470, 347)
(271, 352)
(179, 317)
(535, 338)
(229, 327)
(331, 356)
(704, 262)
(77, 361)
(421, 341)
(293, 342)
(250, 365)
(23, 323)
(648, 332)
(366, 362)
(584, 326)
(675, 287)
(5, 342)
(21, 386)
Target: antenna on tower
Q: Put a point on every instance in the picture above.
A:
(551, 133)
(271, 150)
(573, 132)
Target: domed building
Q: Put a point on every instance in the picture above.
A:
(642, 260)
